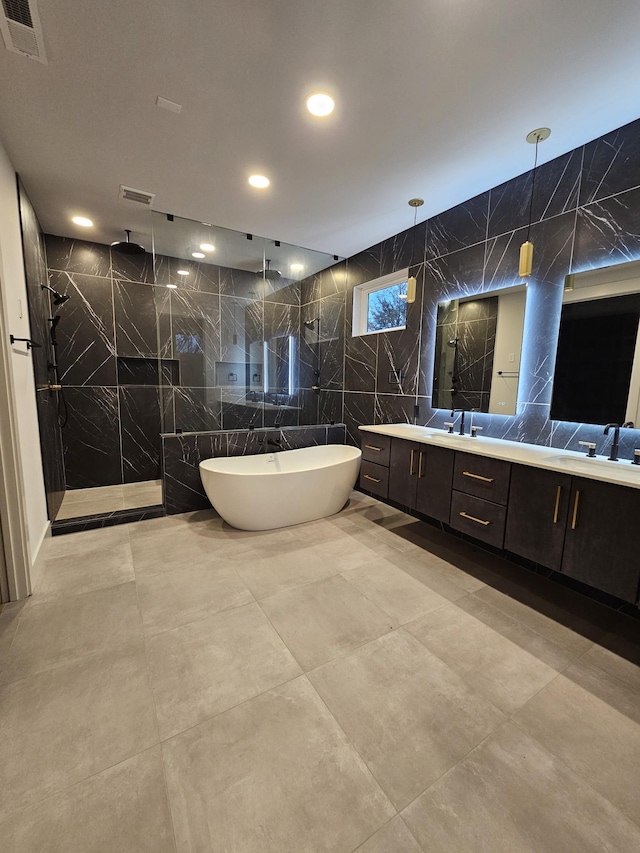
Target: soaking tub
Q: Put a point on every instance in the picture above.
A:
(283, 488)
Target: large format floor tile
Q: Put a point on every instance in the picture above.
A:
(181, 546)
(122, 809)
(591, 721)
(512, 796)
(394, 591)
(63, 725)
(499, 657)
(323, 620)
(73, 574)
(211, 665)
(393, 837)
(272, 775)
(290, 568)
(64, 629)
(408, 714)
(180, 596)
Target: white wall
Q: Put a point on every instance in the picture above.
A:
(14, 297)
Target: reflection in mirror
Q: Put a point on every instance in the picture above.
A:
(478, 350)
(597, 372)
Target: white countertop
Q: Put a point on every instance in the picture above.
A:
(622, 473)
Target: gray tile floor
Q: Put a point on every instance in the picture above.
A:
(364, 682)
(80, 502)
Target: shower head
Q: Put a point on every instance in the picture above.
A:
(126, 247)
(268, 273)
(58, 298)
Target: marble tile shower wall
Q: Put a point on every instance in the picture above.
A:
(586, 214)
(40, 310)
(138, 359)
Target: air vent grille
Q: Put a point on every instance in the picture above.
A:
(21, 29)
(18, 11)
(139, 196)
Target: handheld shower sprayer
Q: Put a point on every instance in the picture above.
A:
(58, 298)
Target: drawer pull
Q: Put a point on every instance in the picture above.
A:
(574, 520)
(411, 471)
(372, 447)
(473, 518)
(373, 479)
(557, 506)
(420, 457)
(477, 477)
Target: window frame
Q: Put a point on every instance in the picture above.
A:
(361, 294)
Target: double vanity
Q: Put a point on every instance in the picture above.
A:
(560, 509)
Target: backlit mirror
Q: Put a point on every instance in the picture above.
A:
(478, 351)
(597, 372)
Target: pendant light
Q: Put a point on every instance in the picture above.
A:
(415, 203)
(526, 250)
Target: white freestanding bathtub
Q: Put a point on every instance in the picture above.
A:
(283, 488)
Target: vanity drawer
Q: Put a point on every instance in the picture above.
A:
(374, 478)
(482, 476)
(478, 518)
(376, 448)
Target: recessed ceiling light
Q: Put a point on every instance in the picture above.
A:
(320, 104)
(259, 181)
(182, 272)
(198, 255)
(296, 267)
(82, 220)
(172, 286)
(207, 247)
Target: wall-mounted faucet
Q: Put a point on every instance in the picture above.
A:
(613, 455)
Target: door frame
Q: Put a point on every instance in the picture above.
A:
(15, 575)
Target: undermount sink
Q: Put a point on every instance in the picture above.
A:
(584, 463)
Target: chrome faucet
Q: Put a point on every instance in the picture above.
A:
(613, 455)
(462, 411)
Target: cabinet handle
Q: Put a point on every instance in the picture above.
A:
(557, 506)
(373, 479)
(574, 519)
(473, 518)
(372, 447)
(477, 477)
(411, 471)
(420, 456)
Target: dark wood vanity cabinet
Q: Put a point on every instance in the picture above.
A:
(537, 515)
(420, 477)
(435, 475)
(403, 471)
(480, 492)
(601, 541)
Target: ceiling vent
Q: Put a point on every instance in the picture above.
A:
(129, 194)
(21, 29)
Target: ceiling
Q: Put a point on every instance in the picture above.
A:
(434, 99)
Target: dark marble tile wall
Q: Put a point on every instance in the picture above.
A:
(40, 310)
(182, 454)
(586, 214)
(186, 359)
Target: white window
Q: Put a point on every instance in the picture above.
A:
(380, 305)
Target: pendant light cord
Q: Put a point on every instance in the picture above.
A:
(533, 184)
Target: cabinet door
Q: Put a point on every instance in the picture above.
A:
(403, 471)
(537, 515)
(601, 543)
(435, 473)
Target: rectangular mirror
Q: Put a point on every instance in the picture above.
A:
(597, 372)
(478, 351)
